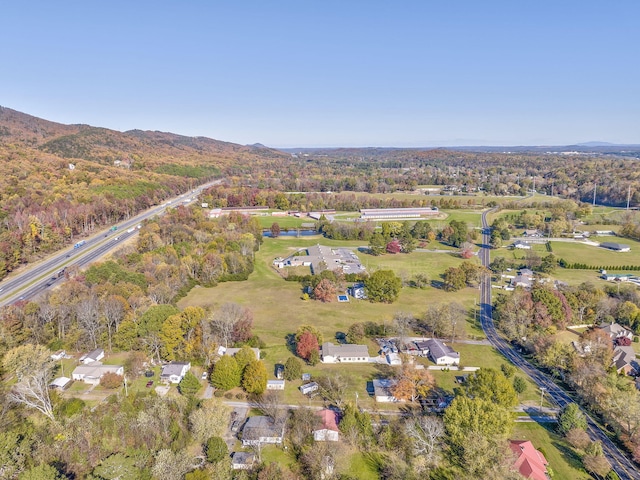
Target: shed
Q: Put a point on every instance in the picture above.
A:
(275, 384)
(308, 388)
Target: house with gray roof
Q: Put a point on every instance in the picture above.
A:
(615, 330)
(94, 356)
(624, 360)
(174, 372)
(261, 430)
(330, 353)
(442, 354)
(93, 372)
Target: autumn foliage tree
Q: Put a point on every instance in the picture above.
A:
(394, 246)
(111, 380)
(306, 345)
(325, 291)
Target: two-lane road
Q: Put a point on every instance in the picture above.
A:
(622, 465)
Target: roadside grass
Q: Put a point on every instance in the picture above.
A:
(562, 459)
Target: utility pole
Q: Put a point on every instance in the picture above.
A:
(628, 197)
(595, 187)
(542, 390)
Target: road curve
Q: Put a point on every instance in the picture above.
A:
(621, 464)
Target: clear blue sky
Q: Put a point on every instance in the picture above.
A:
(331, 73)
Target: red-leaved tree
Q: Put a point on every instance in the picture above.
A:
(325, 291)
(394, 246)
(307, 343)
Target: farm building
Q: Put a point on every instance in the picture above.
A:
(396, 213)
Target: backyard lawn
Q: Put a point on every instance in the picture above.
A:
(564, 462)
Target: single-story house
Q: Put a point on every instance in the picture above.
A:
(60, 383)
(174, 372)
(275, 384)
(261, 430)
(526, 272)
(330, 353)
(382, 390)
(532, 234)
(615, 277)
(59, 355)
(617, 247)
(93, 372)
(521, 244)
(95, 356)
(529, 462)
(521, 281)
(242, 460)
(442, 354)
(422, 347)
(393, 359)
(357, 291)
(615, 330)
(308, 388)
(327, 431)
(232, 351)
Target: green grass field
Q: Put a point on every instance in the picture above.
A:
(564, 462)
(576, 252)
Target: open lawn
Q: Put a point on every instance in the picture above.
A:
(278, 308)
(576, 252)
(562, 459)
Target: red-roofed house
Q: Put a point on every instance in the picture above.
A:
(328, 428)
(530, 463)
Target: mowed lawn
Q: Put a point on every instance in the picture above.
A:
(278, 308)
(562, 459)
(575, 252)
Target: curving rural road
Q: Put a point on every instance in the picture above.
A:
(43, 276)
(623, 466)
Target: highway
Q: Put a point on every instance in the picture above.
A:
(43, 275)
(621, 464)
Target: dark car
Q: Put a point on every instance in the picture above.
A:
(149, 383)
(148, 374)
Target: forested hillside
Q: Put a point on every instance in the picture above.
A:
(58, 181)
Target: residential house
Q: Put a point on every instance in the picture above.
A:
(275, 384)
(308, 388)
(357, 291)
(521, 281)
(624, 360)
(529, 462)
(616, 247)
(616, 331)
(393, 359)
(233, 351)
(521, 244)
(242, 460)
(261, 430)
(60, 383)
(382, 390)
(94, 356)
(174, 372)
(526, 272)
(93, 372)
(59, 355)
(422, 347)
(328, 428)
(532, 234)
(330, 353)
(442, 354)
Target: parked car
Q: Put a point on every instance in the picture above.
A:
(149, 383)
(148, 374)
(205, 375)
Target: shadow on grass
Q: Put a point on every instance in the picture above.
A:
(569, 454)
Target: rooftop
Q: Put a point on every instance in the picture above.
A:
(437, 349)
(344, 350)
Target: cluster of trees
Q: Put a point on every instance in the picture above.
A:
(529, 317)
(467, 274)
(242, 369)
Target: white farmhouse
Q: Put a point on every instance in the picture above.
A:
(330, 353)
(442, 354)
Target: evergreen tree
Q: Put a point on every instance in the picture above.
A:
(226, 373)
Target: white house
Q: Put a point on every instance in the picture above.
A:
(327, 430)
(382, 388)
(442, 354)
(261, 430)
(330, 353)
(275, 384)
(174, 372)
(95, 356)
(59, 355)
(242, 460)
(93, 372)
(521, 245)
(60, 382)
(308, 388)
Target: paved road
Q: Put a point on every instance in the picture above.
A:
(622, 465)
(44, 274)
